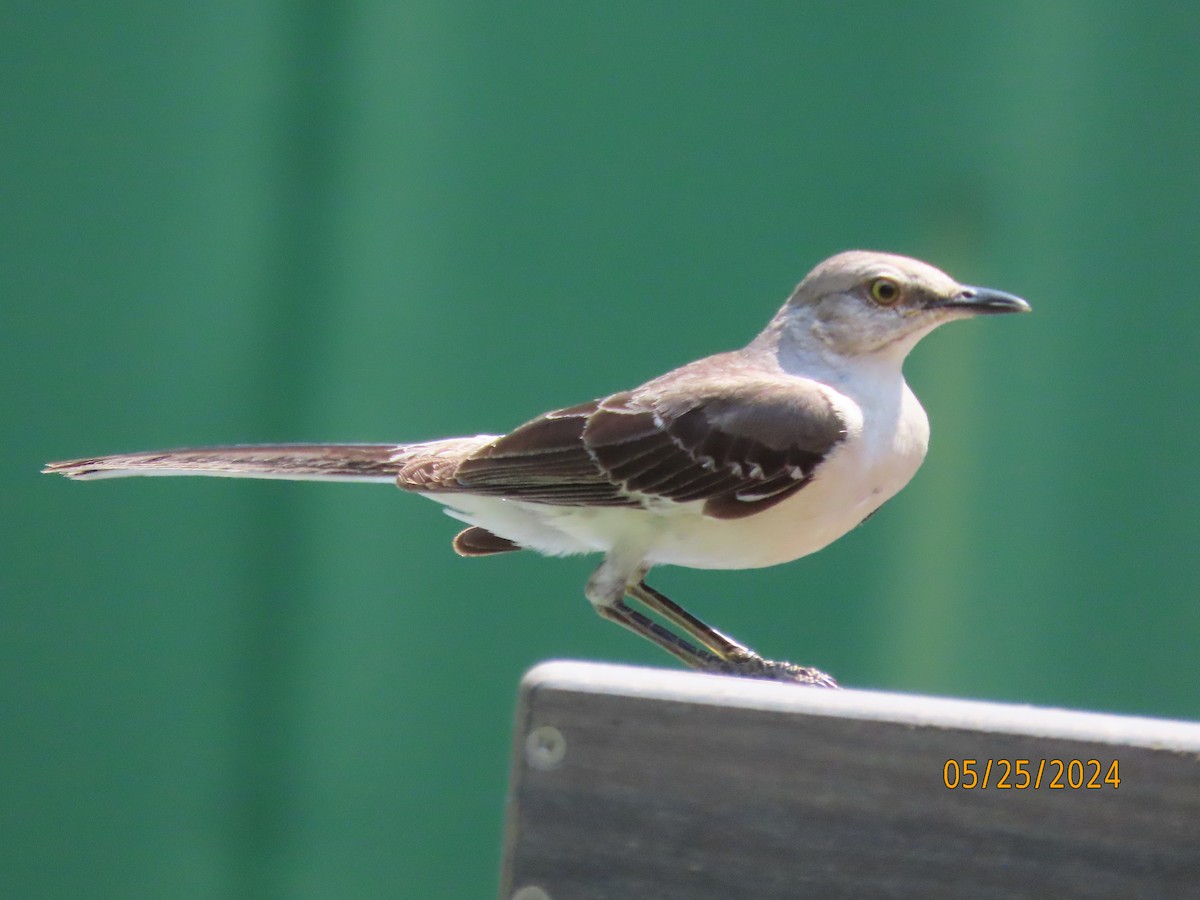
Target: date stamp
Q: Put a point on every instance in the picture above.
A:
(1031, 774)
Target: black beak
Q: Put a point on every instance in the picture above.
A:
(982, 301)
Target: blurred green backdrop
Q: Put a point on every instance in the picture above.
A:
(266, 221)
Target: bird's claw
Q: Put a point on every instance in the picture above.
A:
(750, 665)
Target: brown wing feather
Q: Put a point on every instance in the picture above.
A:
(742, 450)
(544, 461)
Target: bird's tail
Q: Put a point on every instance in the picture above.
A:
(301, 462)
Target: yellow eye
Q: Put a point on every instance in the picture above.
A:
(885, 291)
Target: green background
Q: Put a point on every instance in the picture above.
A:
(237, 221)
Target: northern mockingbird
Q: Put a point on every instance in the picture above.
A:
(744, 459)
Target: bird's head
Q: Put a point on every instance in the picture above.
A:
(860, 302)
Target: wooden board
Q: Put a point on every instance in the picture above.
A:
(640, 783)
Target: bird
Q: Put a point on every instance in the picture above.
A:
(745, 459)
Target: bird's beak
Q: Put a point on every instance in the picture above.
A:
(977, 300)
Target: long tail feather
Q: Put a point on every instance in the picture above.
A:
(299, 462)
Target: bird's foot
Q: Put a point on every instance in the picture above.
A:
(749, 664)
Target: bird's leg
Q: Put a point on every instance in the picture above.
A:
(722, 645)
(606, 590)
(727, 656)
(708, 650)
(643, 625)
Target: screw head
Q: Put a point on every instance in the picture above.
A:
(545, 748)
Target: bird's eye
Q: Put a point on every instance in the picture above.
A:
(885, 291)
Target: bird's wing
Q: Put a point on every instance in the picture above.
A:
(740, 447)
(546, 460)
